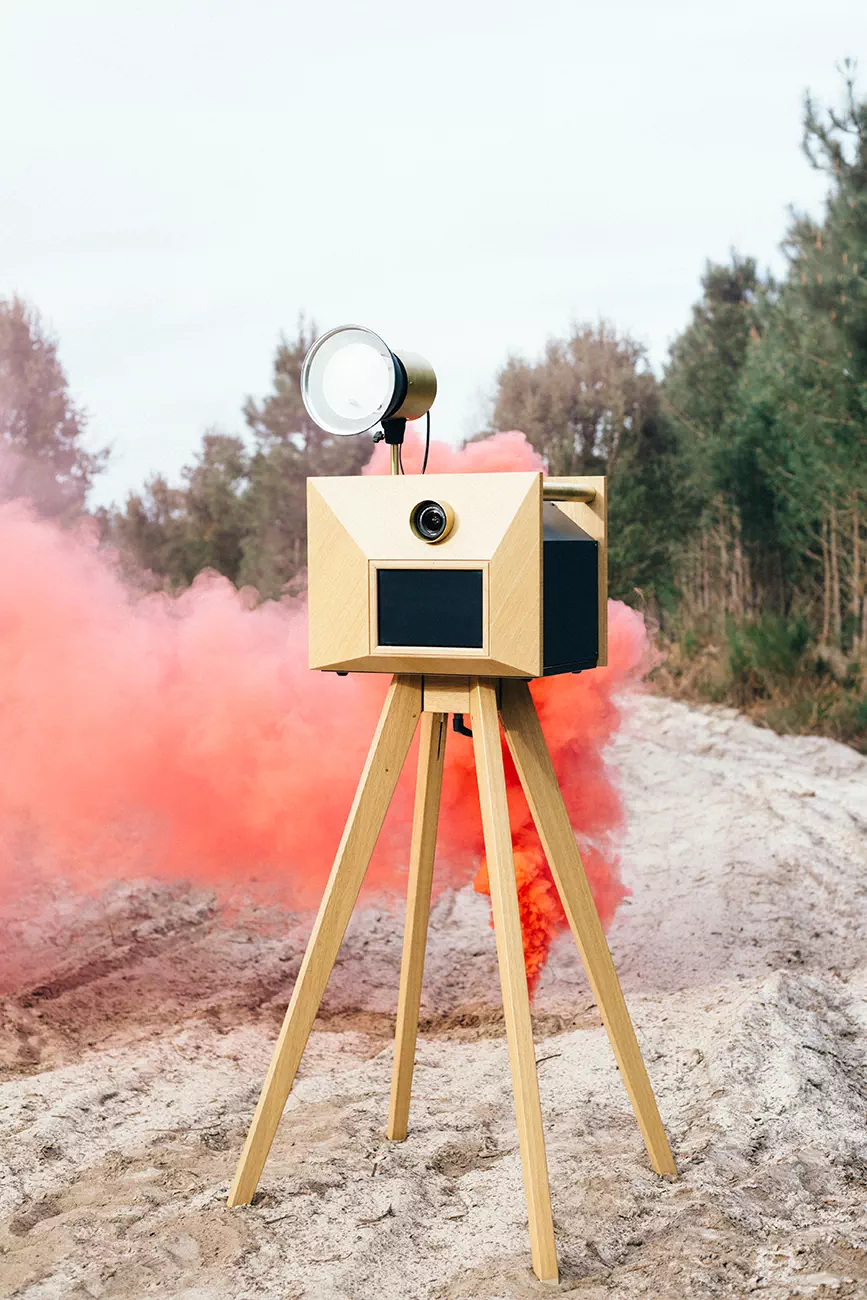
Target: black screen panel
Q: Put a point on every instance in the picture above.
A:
(430, 607)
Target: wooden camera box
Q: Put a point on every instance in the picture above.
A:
(465, 574)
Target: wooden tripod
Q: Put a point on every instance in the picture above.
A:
(432, 699)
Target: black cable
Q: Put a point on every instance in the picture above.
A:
(400, 457)
(426, 444)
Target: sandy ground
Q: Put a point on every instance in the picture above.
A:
(130, 1073)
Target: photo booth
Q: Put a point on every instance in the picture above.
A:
(463, 588)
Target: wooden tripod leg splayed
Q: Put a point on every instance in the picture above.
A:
(408, 699)
(391, 741)
(431, 757)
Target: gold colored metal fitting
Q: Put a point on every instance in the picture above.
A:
(560, 489)
(421, 386)
(415, 521)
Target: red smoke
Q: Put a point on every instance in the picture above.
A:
(184, 737)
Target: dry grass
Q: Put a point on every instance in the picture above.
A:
(771, 673)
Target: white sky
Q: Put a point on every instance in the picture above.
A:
(178, 179)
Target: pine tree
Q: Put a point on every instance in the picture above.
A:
(41, 428)
(706, 363)
(803, 403)
(650, 517)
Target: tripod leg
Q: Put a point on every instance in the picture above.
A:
(431, 755)
(527, 744)
(388, 751)
(513, 978)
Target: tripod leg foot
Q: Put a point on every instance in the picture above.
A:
(527, 744)
(431, 756)
(388, 751)
(513, 978)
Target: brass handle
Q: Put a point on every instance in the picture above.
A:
(560, 489)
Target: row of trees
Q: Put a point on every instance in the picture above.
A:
(739, 478)
(592, 405)
(767, 393)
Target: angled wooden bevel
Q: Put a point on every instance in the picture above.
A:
(356, 524)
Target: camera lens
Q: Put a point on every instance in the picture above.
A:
(431, 521)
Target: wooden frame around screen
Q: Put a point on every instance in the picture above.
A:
(429, 652)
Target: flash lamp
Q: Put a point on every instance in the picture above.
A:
(351, 381)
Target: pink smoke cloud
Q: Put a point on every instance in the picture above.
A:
(184, 737)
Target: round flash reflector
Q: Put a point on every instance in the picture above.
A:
(348, 380)
(356, 381)
(351, 381)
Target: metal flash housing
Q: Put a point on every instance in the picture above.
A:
(351, 381)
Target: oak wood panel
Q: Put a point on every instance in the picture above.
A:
(516, 586)
(446, 694)
(337, 604)
(375, 511)
(592, 516)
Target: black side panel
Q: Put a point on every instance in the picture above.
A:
(430, 607)
(570, 626)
